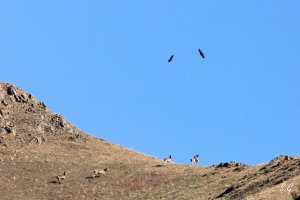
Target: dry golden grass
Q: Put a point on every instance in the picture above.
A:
(37, 144)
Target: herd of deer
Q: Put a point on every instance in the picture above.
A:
(95, 174)
(98, 173)
(194, 159)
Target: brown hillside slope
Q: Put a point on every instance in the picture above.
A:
(36, 145)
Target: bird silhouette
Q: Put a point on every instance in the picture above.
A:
(171, 58)
(201, 53)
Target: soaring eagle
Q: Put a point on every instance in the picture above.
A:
(171, 58)
(201, 53)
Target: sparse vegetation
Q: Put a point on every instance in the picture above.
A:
(36, 145)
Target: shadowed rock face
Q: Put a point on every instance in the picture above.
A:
(37, 144)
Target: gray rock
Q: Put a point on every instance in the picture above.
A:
(37, 140)
(40, 140)
(42, 105)
(2, 131)
(10, 90)
(229, 164)
(1, 96)
(58, 121)
(2, 142)
(10, 130)
(74, 138)
(21, 98)
(4, 102)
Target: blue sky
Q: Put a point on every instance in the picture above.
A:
(103, 66)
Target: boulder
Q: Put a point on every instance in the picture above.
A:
(11, 90)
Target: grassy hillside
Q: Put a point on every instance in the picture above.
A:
(36, 145)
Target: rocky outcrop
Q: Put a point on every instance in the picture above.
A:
(24, 119)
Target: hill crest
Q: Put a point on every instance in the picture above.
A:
(37, 144)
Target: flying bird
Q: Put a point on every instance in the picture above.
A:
(171, 58)
(201, 53)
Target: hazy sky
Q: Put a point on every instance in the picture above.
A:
(102, 64)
